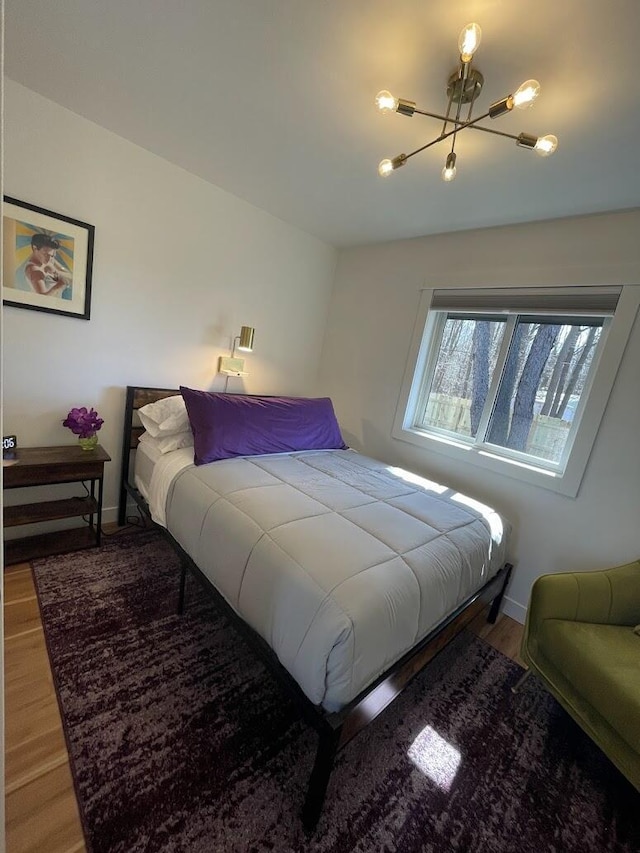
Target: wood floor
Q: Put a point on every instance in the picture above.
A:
(41, 809)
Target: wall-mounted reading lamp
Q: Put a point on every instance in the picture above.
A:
(244, 339)
(244, 342)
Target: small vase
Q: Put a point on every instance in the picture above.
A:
(89, 443)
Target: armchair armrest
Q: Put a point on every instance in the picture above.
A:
(609, 597)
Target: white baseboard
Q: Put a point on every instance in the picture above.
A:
(514, 609)
(109, 514)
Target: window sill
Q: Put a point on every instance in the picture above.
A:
(529, 473)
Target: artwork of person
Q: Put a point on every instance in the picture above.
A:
(43, 271)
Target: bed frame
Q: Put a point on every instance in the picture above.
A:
(336, 729)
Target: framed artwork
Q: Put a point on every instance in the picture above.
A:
(47, 260)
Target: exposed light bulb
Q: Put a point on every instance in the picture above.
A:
(546, 145)
(449, 171)
(525, 95)
(387, 166)
(386, 102)
(469, 41)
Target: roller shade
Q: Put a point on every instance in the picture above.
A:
(581, 301)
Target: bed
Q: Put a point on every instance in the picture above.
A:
(345, 574)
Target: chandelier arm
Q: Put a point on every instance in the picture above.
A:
(464, 124)
(449, 120)
(472, 102)
(445, 135)
(496, 132)
(457, 121)
(434, 115)
(453, 141)
(447, 117)
(464, 74)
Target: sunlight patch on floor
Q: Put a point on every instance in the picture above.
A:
(435, 757)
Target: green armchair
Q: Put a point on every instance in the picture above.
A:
(579, 639)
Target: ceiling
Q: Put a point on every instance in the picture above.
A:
(273, 100)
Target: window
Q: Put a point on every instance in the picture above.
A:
(512, 383)
(505, 378)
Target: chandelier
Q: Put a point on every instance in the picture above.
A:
(463, 87)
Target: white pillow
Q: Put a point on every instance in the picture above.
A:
(165, 417)
(169, 442)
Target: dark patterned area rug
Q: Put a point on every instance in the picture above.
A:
(181, 741)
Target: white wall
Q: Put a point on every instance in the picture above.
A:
(371, 319)
(179, 266)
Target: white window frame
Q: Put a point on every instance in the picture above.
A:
(564, 478)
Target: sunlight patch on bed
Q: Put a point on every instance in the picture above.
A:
(435, 757)
(495, 522)
(417, 480)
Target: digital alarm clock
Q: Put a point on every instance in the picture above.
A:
(9, 446)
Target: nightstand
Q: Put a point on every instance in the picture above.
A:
(48, 466)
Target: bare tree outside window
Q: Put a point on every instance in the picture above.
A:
(531, 410)
(466, 361)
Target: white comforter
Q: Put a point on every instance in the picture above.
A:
(340, 562)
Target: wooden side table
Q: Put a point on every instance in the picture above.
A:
(46, 466)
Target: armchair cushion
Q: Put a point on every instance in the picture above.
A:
(602, 664)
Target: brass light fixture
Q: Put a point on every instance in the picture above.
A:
(464, 86)
(244, 339)
(233, 366)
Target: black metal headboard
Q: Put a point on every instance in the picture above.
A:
(137, 397)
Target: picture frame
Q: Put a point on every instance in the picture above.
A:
(47, 260)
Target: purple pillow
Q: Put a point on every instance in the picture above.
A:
(227, 425)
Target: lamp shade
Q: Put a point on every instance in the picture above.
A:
(246, 338)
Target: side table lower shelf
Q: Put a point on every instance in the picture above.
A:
(46, 544)
(49, 510)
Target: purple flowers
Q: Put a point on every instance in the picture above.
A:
(83, 422)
